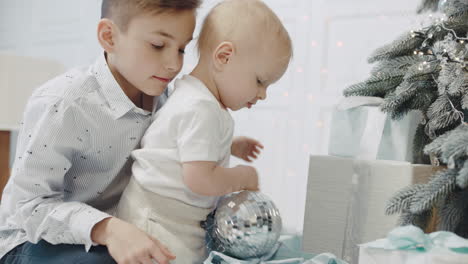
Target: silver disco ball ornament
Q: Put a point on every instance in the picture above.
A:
(245, 225)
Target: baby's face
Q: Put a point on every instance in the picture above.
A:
(151, 52)
(248, 75)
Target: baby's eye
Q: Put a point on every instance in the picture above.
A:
(259, 82)
(182, 51)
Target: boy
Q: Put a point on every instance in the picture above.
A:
(181, 168)
(73, 152)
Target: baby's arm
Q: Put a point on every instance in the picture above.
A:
(206, 178)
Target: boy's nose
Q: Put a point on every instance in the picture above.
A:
(173, 64)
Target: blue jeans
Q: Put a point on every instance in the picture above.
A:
(44, 252)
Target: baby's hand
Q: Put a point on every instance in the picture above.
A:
(245, 148)
(250, 178)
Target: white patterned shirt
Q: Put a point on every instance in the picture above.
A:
(73, 158)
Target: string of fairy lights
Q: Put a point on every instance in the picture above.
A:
(449, 55)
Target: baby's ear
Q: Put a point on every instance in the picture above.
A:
(223, 53)
(107, 34)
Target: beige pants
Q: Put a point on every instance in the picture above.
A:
(175, 224)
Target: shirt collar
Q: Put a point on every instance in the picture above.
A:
(197, 84)
(118, 101)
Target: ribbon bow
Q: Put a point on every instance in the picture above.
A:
(413, 238)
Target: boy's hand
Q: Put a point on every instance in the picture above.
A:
(127, 244)
(245, 148)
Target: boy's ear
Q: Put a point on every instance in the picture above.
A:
(107, 34)
(222, 54)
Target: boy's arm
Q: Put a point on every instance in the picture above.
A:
(34, 197)
(206, 178)
(128, 244)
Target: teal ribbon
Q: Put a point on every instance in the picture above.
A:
(286, 252)
(413, 238)
(219, 258)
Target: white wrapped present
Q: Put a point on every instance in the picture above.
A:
(346, 199)
(409, 245)
(360, 129)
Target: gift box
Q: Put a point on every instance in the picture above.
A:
(409, 245)
(360, 129)
(346, 199)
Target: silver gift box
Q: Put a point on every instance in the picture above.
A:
(359, 129)
(346, 200)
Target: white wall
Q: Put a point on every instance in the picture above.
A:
(332, 40)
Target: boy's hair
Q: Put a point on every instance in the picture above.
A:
(122, 11)
(233, 20)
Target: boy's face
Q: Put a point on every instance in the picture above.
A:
(151, 52)
(247, 76)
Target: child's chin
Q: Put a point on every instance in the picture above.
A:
(155, 92)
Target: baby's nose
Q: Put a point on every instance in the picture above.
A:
(261, 96)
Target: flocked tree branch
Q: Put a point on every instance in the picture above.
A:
(426, 70)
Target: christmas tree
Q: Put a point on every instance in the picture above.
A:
(426, 70)
(431, 5)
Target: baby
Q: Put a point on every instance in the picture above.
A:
(182, 166)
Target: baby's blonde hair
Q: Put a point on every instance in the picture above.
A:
(242, 20)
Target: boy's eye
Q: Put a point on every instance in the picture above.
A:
(182, 51)
(158, 47)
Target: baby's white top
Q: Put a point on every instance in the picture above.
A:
(191, 126)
